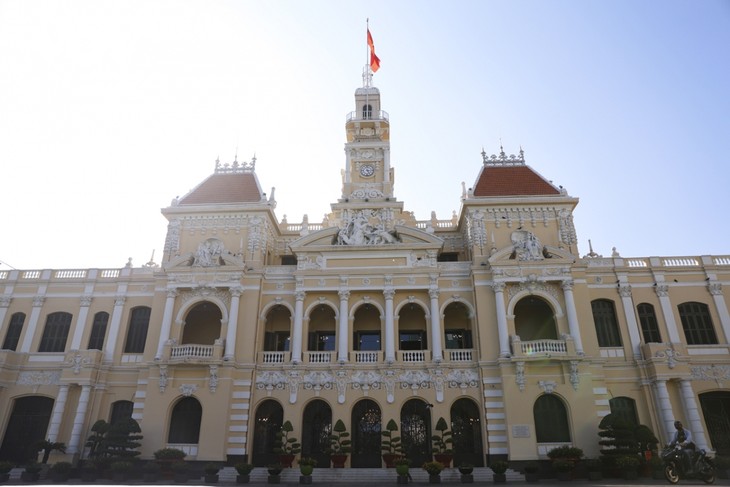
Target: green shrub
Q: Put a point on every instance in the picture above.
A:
(169, 454)
(244, 468)
(5, 467)
(61, 467)
(499, 467)
(433, 468)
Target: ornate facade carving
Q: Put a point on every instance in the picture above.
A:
(526, 246)
(187, 390)
(717, 373)
(39, 378)
(366, 227)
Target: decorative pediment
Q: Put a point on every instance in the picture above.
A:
(210, 254)
(537, 254)
(329, 239)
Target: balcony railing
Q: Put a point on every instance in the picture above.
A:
(319, 357)
(414, 356)
(460, 355)
(191, 350)
(273, 358)
(370, 357)
(543, 348)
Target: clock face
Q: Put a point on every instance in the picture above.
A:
(367, 170)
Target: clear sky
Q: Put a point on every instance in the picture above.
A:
(110, 109)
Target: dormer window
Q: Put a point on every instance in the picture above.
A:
(367, 112)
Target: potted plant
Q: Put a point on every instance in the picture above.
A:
(339, 444)
(306, 467)
(244, 471)
(274, 470)
(629, 465)
(391, 445)
(150, 472)
(594, 467)
(60, 471)
(31, 473)
(466, 469)
(180, 472)
(442, 443)
(211, 472)
(563, 468)
(286, 447)
(434, 471)
(532, 470)
(499, 468)
(402, 467)
(47, 446)
(566, 452)
(5, 468)
(166, 457)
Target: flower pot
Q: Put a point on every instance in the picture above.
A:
(402, 479)
(274, 479)
(443, 458)
(499, 477)
(305, 479)
(338, 461)
(434, 479)
(467, 478)
(286, 460)
(389, 459)
(243, 478)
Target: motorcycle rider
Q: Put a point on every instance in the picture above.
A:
(683, 438)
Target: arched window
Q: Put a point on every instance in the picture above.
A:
(56, 332)
(466, 429)
(367, 111)
(366, 424)
(551, 420)
(202, 324)
(534, 319)
(697, 324)
(98, 331)
(15, 328)
(624, 408)
(121, 410)
(269, 418)
(649, 326)
(277, 337)
(185, 421)
(604, 317)
(316, 429)
(137, 333)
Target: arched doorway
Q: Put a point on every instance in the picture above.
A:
(415, 422)
(185, 422)
(366, 424)
(716, 411)
(316, 429)
(466, 429)
(27, 425)
(269, 418)
(534, 320)
(202, 324)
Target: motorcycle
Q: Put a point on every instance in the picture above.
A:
(674, 465)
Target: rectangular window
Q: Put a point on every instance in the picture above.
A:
(15, 328)
(322, 341)
(367, 341)
(276, 341)
(604, 317)
(648, 322)
(412, 340)
(458, 339)
(697, 324)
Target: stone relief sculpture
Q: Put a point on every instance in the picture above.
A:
(209, 253)
(527, 246)
(359, 231)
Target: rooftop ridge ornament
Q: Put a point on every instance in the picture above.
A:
(235, 167)
(503, 159)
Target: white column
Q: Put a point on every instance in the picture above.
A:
(166, 324)
(664, 407)
(114, 326)
(343, 331)
(662, 291)
(35, 313)
(628, 304)
(81, 322)
(75, 440)
(715, 289)
(573, 324)
(501, 310)
(436, 349)
(230, 351)
(692, 414)
(296, 339)
(58, 409)
(389, 326)
(4, 305)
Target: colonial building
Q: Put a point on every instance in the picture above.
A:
(491, 320)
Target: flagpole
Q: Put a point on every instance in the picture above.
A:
(367, 53)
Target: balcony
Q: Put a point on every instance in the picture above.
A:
(413, 356)
(459, 355)
(194, 353)
(368, 357)
(319, 357)
(545, 348)
(358, 116)
(274, 358)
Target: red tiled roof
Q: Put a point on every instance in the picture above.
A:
(512, 181)
(225, 189)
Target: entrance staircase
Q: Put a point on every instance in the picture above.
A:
(372, 475)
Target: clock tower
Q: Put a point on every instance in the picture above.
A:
(367, 180)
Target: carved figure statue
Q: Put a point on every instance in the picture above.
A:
(527, 246)
(208, 253)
